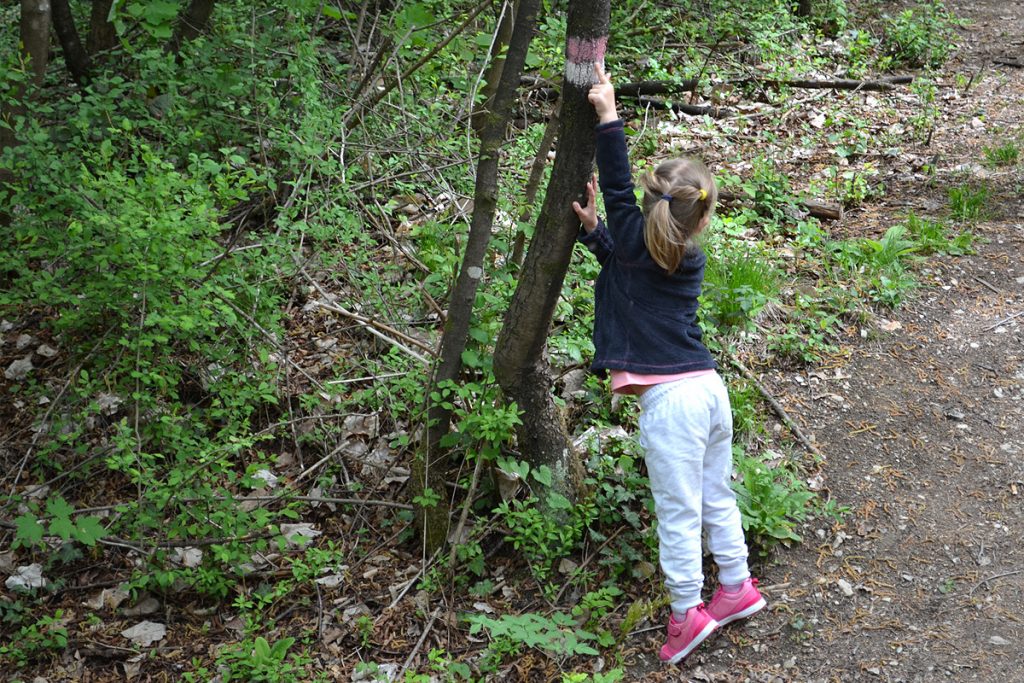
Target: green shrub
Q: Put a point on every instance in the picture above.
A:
(1005, 154)
(738, 285)
(773, 500)
(921, 36)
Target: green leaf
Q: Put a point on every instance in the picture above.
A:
(88, 530)
(331, 12)
(63, 527)
(58, 507)
(29, 530)
(543, 475)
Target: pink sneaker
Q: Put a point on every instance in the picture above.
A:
(684, 636)
(726, 608)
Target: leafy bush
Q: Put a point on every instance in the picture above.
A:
(738, 285)
(773, 500)
(920, 36)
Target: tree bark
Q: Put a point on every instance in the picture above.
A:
(804, 8)
(34, 27)
(429, 469)
(533, 184)
(75, 56)
(190, 24)
(102, 35)
(35, 36)
(492, 76)
(519, 365)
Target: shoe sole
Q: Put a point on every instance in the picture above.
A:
(698, 639)
(743, 614)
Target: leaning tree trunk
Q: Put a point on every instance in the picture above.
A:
(75, 55)
(35, 43)
(519, 364)
(492, 76)
(190, 24)
(428, 469)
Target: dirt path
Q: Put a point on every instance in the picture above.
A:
(924, 437)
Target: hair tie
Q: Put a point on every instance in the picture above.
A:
(703, 194)
(667, 198)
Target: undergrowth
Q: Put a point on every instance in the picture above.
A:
(240, 302)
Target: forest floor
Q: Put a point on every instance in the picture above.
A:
(923, 436)
(920, 428)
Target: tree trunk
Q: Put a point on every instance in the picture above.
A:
(75, 55)
(35, 41)
(190, 24)
(102, 35)
(540, 161)
(35, 36)
(804, 8)
(492, 76)
(429, 470)
(519, 364)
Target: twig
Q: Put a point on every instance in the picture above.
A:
(347, 119)
(594, 554)
(987, 285)
(993, 578)
(369, 325)
(465, 511)
(412, 581)
(775, 405)
(1003, 321)
(419, 644)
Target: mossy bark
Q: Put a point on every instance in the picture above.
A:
(519, 364)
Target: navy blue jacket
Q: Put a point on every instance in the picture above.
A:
(645, 320)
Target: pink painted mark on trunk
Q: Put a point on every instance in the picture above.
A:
(586, 49)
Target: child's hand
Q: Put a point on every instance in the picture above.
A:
(602, 96)
(588, 213)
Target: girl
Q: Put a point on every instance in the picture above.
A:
(646, 334)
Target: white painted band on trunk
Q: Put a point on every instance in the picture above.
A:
(580, 74)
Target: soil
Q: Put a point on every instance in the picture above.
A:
(923, 437)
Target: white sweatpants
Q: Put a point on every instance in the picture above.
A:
(686, 433)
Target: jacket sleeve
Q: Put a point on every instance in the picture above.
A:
(625, 220)
(598, 241)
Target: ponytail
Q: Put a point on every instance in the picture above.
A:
(678, 195)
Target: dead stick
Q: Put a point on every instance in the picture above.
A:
(1003, 321)
(988, 286)
(993, 578)
(419, 644)
(776, 406)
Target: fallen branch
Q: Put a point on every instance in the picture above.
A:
(372, 326)
(643, 89)
(1008, 62)
(776, 406)
(814, 207)
(690, 109)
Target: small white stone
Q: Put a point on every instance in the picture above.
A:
(845, 587)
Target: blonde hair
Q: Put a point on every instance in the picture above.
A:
(678, 194)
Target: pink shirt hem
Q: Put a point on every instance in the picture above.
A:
(624, 382)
